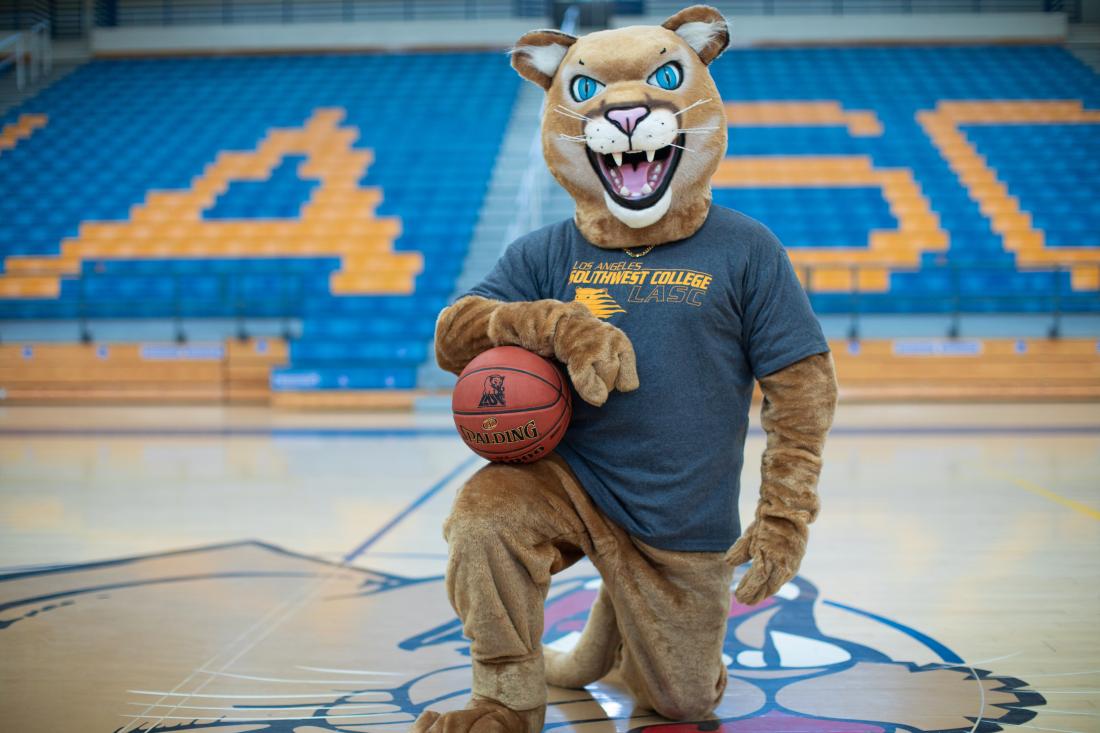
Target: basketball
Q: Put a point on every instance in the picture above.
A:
(511, 406)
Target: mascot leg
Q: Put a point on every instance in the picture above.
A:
(511, 528)
(595, 652)
(672, 609)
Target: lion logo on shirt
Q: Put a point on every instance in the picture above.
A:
(599, 302)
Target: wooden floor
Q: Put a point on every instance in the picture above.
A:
(253, 570)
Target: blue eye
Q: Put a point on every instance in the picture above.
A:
(668, 76)
(584, 88)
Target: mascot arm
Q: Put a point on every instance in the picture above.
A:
(799, 402)
(598, 356)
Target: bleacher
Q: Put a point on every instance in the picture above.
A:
(326, 189)
(932, 179)
(340, 192)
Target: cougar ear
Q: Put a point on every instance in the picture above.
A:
(703, 28)
(538, 54)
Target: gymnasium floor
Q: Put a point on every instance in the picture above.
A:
(243, 570)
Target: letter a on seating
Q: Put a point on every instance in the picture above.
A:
(339, 220)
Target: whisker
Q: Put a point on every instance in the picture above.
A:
(571, 138)
(693, 105)
(696, 130)
(571, 113)
(682, 147)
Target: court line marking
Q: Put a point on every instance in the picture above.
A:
(343, 706)
(1046, 493)
(289, 608)
(950, 657)
(258, 624)
(1056, 730)
(1065, 674)
(277, 695)
(292, 681)
(350, 671)
(417, 503)
(219, 718)
(940, 649)
(411, 555)
(981, 697)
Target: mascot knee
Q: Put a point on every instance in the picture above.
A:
(683, 702)
(471, 528)
(471, 523)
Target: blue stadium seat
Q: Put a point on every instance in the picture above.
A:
(120, 129)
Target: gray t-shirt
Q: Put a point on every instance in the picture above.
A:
(706, 315)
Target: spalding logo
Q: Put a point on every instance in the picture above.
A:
(492, 395)
(527, 431)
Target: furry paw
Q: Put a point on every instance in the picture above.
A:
(480, 716)
(776, 548)
(599, 358)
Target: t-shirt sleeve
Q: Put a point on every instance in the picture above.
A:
(779, 325)
(515, 277)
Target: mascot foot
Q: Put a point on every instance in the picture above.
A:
(481, 715)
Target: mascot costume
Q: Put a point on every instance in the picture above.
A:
(664, 309)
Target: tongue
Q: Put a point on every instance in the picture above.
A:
(636, 176)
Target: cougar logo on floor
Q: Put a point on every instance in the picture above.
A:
(328, 647)
(786, 675)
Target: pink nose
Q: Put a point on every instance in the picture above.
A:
(627, 118)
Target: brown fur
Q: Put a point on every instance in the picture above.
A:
(623, 58)
(484, 716)
(512, 528)
(660, 616)
(598, 356)
(702, 14)
(799, 402)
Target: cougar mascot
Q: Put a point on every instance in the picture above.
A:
(664, 309)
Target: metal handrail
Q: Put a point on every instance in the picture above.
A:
(16, 56)
(41, 32)
(31, 52)
(228, 303)
(536, 176)
(957, 298)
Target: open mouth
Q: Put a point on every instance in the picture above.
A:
(638, 181)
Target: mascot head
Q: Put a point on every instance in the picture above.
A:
(633, 127)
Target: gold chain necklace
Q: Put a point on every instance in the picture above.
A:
(643, 253)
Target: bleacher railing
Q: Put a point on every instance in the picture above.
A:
(284, 300)
(30, 51)
(111, 13)
(958, 300)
